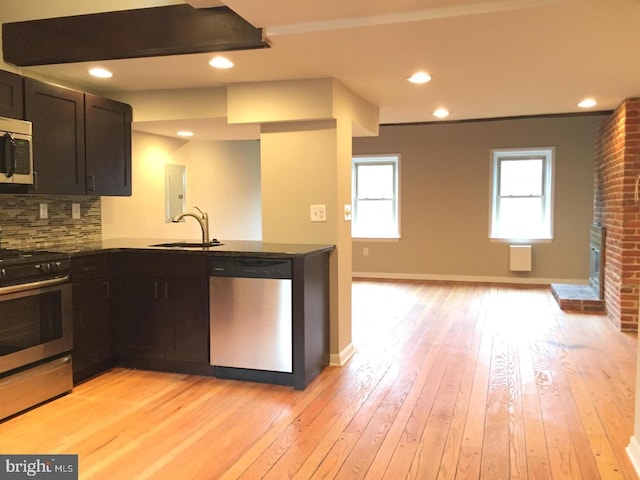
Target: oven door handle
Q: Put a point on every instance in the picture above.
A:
(22, 287)
(9, 155)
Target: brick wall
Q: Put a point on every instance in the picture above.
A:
(617, 166)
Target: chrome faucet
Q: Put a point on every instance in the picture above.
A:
(203, 220)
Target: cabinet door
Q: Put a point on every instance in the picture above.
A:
(141, 314)
(57, 115)
(187, 320)
(93, 331)
(108, 129)
(11, 95)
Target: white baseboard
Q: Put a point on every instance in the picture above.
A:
(469, 278)
(633, 451)
(340, 359)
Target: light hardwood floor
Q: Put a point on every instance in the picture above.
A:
(450, 381)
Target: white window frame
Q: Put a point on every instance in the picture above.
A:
(390, 159)
(547, 154)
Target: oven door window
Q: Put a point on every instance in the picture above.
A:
(29, 321)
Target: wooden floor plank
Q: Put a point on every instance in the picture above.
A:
(451, 381)
(451, 453)
(438, 427)
(469, 460)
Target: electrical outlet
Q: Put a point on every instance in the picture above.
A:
(318, 213)
(44, 210)
(75, 211)
(365, 251)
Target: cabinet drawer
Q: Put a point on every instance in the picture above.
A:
(89, 267)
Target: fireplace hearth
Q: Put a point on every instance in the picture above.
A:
(586, 298)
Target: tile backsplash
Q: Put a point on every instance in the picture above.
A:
(23, 228)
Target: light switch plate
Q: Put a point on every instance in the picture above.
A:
(318, 213)
(75, 211)
(347, 212)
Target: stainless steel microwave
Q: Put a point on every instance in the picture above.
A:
(16, 155)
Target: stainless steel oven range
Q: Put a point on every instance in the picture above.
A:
(36, 335)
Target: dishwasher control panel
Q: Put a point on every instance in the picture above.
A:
(250, 267)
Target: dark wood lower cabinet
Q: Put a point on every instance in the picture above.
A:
(94, 340)
(163, 310)
(165, 319)
(150, 310)
(140, 318)
(187, 320)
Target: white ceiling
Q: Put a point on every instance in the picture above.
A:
(488, 58)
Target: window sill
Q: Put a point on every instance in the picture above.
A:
(520, 240)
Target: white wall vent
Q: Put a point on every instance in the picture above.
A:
(520, 258)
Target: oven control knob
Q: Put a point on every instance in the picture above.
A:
(45, 267)
(3, 273)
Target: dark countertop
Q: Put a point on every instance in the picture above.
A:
(228, 248)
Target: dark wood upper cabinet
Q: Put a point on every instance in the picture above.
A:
(11, 95)
(57, 117)
(81, 142)
(108, 147)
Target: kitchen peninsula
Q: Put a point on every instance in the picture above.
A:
(148, 307)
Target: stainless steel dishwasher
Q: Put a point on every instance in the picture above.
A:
(250, 317)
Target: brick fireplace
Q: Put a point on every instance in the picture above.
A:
(617, 210)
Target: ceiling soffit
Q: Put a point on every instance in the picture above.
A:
(169, 30)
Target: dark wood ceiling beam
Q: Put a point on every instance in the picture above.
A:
(147, 32)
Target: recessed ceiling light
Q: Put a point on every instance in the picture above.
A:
(220, 62)
(100, 72)
(419, 77)
(441, 113)
(587, 103)
(184, 133)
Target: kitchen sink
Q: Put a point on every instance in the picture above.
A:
(188, 244)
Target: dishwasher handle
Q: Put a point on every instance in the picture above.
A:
(250, 267)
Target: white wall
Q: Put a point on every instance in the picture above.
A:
(223, 179)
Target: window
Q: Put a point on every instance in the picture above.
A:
(522, 194)
(375, 196)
